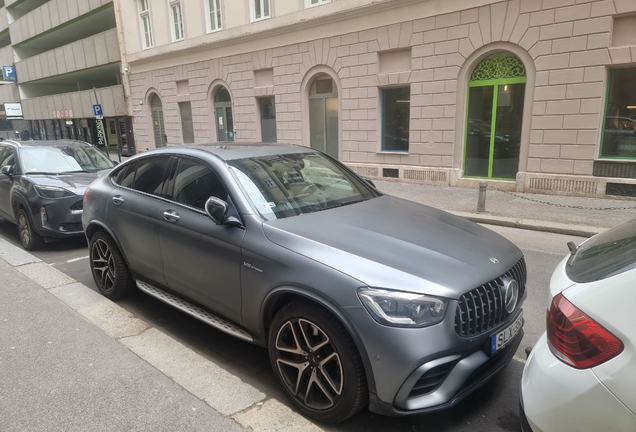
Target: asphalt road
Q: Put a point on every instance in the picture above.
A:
(492, 408)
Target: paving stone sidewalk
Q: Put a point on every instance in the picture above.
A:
(72, 360)
(599, 213)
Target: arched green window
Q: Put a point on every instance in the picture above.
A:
(496, 93)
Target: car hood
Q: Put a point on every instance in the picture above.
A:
(389, 242)
(74, 182)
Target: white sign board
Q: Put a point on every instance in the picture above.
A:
(13, 109)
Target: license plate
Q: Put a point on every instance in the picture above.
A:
(501, 339)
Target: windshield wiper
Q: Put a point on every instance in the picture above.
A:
(41, 173)
(342, 204)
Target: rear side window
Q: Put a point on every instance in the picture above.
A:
(605, 255)
(8, 157)
(126, 175)
(195, 182)
(151, 175)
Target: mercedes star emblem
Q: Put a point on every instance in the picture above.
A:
(510, 294)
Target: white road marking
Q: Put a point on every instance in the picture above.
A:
(519, 359)
(77, 259)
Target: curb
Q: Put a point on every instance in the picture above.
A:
(532, 225)
(222, 391)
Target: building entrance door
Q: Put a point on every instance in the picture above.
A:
(224, 118)
(157, 122)
(323, 116)
(496, 94)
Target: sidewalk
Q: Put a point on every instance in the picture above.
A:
(559, 215)
(72, 360)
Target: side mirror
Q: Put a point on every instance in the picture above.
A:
(7, 170)
(216, 209)
(368, 181)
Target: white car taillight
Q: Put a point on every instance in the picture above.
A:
(576, 339)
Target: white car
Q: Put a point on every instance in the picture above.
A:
(581, 374)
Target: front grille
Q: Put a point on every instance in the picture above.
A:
(71, 227)
(482, 309)
(431, 379)
(78, 206)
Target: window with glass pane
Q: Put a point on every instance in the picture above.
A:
(260, 9)
(195, 183)
(176, 19)
(214, 10)
(316, 2)
(619, 132)
(150, 176)
(396, 111)
(146, 27)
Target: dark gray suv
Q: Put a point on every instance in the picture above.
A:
(42, 184)
(361, 298)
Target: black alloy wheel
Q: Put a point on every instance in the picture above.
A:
(317, 362)
(28, 237)
(109, 268)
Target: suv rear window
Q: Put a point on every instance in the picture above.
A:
(604, 255)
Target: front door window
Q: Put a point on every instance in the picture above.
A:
(224, 118)
(158, 125)
(495, 112)
(323, 116)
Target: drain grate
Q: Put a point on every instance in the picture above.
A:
(390, 172)
(621, 189)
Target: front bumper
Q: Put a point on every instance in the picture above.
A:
(428, 369)
(556, 397)
(63, 217)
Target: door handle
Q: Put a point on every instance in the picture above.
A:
(117, 200)
(171, 216)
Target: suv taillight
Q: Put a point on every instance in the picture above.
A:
(87, 192)
(576, 339)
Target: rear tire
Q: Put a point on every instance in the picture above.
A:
(110, 271)
(28, 237)
(317, 363)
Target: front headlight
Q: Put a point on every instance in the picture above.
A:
(403, 309)
(52, 192)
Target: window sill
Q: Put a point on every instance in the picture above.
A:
(260, 19)
(400, 152)
(215, 30)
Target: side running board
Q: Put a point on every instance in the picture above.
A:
(198, 313)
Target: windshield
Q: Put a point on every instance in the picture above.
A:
(604, 255)
(287, 185)
(57, 160)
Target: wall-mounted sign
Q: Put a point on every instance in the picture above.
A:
(13, 110)
(8, 73)
(63, 113)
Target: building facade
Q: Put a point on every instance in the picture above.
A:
(66, 58)
(533, 95)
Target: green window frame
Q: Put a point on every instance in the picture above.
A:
(495, 70)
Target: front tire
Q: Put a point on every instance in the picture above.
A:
(110, 271)
(317, 363)
(28, 237)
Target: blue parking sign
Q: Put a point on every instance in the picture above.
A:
(97, 109)
(8, 73)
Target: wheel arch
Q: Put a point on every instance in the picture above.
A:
(279, 297)
(97, 225)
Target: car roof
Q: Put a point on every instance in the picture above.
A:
(232, 151)
(47, 143)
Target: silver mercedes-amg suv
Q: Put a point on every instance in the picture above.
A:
(361, 298)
